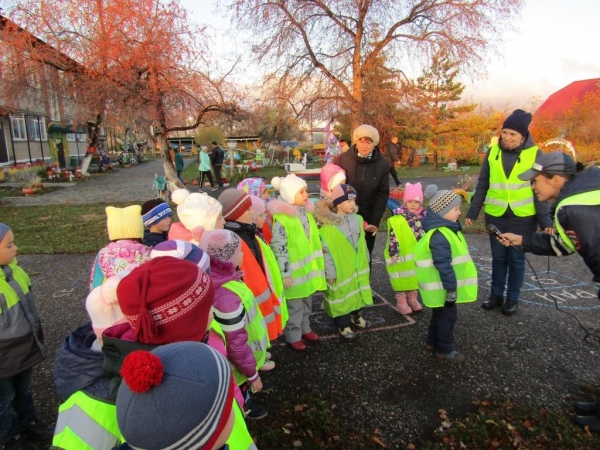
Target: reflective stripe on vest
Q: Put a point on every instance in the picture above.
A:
(402, 274)
(85, 423)
(305, 257)
(430, 282)
(591, 198)
(256, 280)
(255, 327)
(240, 438)
(504, 192)
(274, 278)
(352, 288)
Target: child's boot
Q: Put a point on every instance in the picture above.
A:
(401, 305)
(413, 301)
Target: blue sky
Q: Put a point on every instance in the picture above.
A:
(555, 42)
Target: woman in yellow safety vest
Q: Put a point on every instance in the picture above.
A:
(509, 204)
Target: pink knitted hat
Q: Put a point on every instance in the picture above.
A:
(331, 176)
(258, 206)
(413, 192)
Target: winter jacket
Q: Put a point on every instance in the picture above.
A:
(279, 240)
(370, 178)
(229, 311)
(347, 225)
(153, 239)
(217, 157)
(115, 257)
(247, 232)
(77, 367)
(179, 162)
(582, 221)
(509, 222)
(204, 162)
(21, 335)
(391, 153)
(440, 247)
(415, 222)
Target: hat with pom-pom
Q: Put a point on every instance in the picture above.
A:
(288, 186)
(167, 300)
(124, 223)
(413, 192)
(182, 250)
(177, 396)
(235, 203)
(430, 191)
(223, 245)
(103, 308)
(196, 209)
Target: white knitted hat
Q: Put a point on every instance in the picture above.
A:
(197, 209)
(288, 186)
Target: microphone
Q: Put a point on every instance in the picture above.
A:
(493, 229)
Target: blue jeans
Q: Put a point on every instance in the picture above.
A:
(507, 260)
(441, 329)
(16, 404)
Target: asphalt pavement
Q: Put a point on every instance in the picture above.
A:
(384, 380)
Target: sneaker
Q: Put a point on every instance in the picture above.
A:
(267, 387)
(310, 337)
(299, 346)
(225, 184)
(215, 189)
(347, 334)
(454, 357)
(586, 408)
(253, 410)
(360, 322)
(268, 356)
(268, 365)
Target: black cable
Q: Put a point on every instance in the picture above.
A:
(588, 334)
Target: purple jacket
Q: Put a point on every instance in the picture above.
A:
(230, 314)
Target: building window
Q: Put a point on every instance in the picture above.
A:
(81, 137)
(71, 137)
(37, 129)
(17, 125)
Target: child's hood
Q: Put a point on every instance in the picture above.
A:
(325, 215)
(433, 220)
(278, 206)
(223, 271)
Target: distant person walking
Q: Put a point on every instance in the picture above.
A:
(392, 156)
(510, 205)
(216, 159)
(204, 167)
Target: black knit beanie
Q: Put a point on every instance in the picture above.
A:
(518, 121)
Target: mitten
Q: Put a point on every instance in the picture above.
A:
(450, 298)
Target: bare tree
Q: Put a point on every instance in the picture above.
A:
(335, 43)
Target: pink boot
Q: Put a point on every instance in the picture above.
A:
(401, 305)
(413, 301)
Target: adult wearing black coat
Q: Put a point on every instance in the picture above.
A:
(216, 159)
(367, 172)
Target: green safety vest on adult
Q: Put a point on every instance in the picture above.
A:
(305, 257)
(274, 278)
(430, 282)
(402, 273)
(258, 339)
(504, 192)
(591, 198)
(352, 288)
(86, 423)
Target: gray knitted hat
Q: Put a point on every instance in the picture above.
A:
(443, 201)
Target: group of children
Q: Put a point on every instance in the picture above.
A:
(177, 306)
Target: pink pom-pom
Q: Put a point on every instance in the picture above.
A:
(197, 233)
(141, 370)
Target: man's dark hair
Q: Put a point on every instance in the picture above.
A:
(214, 143)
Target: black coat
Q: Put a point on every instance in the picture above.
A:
(217, 156)
(370, 178)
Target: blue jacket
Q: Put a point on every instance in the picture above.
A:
(77, 367)
(440, 247)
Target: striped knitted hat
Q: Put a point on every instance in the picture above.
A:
(179, 396)
(443, 201)
(235, 203)
(180, 249)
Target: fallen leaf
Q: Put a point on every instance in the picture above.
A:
(299, 407)
(462, 445)
(411, 446)
(495, 444)
(378, 441)
(527, 424)
(376, 431)
(310, 433)
(443, 417)
(286, 431)
(446, 424)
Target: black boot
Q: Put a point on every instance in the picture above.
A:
(493, 301)
(510, 307)
(592, 422)
(586, 408)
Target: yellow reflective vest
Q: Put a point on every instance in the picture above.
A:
(352, 288)
(402, 273)
(258, 339)
(86, 423)
(504, 192)
(430, 282)
(273, 274)
(305, 257)
(590, 198)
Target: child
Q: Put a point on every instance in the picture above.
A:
(125, 231)
(346, 261)
(297, 247)
(405, 228)
(204, 168)
(236, 316)
(445, 271)
(157, 217)
(195, 210)
(331, 176)
(259, 188)
(21, 348)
